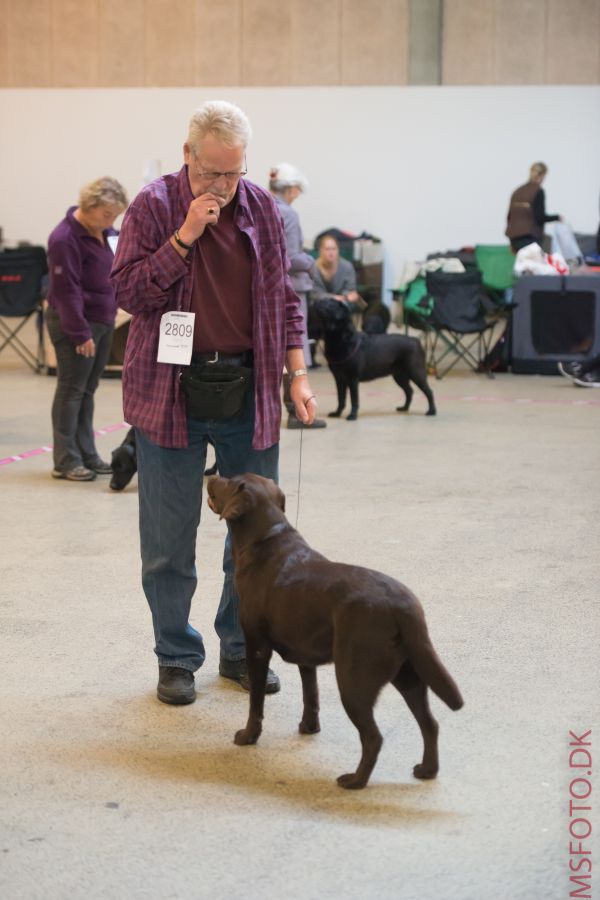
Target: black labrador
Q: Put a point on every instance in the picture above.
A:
(124, 463)
(353, 357)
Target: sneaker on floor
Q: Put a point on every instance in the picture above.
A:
(570, 370)
(236, 670)
(175, 685)
(100, 467)
(590, 379)
(294, 422)
(79, 473)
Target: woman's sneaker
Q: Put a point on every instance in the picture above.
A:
(570, 370)
(100, 467)
(79, 473)
(590, 379)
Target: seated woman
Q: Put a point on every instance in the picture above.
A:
(334, 277)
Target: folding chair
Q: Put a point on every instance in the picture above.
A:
(22, 271)
(458, 327)
(496, 263)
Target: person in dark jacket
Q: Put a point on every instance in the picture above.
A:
(527, 211)
(80, 319)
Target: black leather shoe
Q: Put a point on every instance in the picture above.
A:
(236, 670)
(175, 685)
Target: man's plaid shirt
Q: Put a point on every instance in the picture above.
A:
(151, 278)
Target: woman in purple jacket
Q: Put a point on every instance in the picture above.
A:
(80, 319)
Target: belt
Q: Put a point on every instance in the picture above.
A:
(245, 358)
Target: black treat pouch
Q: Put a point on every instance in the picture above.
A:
(213, 391)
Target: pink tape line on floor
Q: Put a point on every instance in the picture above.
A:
(28, 453)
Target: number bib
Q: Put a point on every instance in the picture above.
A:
(176, 338)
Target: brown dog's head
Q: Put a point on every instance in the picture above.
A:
(230, 498)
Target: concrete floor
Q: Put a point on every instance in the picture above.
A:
(489, 512)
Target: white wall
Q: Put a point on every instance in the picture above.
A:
(423, 168)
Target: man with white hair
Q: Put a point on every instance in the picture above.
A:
(201, 265)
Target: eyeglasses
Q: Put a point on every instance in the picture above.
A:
(211, 177)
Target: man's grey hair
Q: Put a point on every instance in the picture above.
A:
(225, 121)
(103, 192)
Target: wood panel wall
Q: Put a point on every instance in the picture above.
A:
(521, 42)
(157, 43)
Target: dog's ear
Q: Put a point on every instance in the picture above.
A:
(237, 502)
(275, 493)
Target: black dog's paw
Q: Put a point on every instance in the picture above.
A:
(431, 412)
(334, 415)
(404, 408)
(352, 417)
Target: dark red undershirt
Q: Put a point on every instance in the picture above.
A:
(222, 287)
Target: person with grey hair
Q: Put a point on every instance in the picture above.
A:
(527, 211)
(201, 266)
(81, 320)
(287, 183)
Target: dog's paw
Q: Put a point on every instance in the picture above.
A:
(309, 726)
(351, 782)
(352, 417)
(244, 736)
(334, 415)
(402, 408)
(423, 772)
(431, 412)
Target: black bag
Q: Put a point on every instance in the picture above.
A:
(213, 391)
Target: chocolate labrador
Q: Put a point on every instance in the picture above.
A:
(313, 611)
(353, 357)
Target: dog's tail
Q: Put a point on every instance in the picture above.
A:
(431, 669)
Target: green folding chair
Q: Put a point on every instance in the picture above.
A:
(495, 262)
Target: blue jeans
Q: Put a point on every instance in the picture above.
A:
(170, 496)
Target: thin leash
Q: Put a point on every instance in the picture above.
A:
(299, 478)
